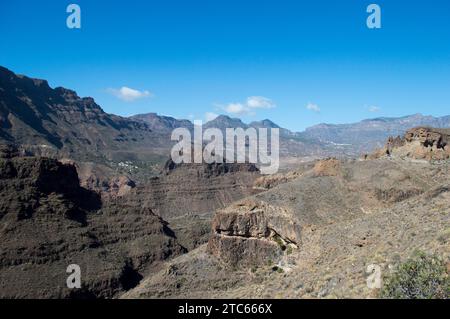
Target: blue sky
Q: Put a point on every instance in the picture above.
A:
(189, 58)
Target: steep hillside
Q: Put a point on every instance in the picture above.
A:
(57, 122)
(48, 222)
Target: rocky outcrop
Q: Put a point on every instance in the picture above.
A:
(113, 187)
(121, 186)
(393, 143)
(327, 167)
(421, 143)
(270, 181)
(429, 137)
(109, 184)
(252, 233)
(209, 170)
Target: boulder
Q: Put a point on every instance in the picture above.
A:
(253, 233)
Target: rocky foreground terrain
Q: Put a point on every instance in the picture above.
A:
(314, 236)
(314, 233)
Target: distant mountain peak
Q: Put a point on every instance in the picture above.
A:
(264, 124)
(162, 123)
(224, 121)
(223, 117)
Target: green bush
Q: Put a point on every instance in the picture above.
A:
(289, 250)
(421, 277)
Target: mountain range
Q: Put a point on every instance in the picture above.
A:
(57, 122)
(366, 135)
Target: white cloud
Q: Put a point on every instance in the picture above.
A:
(260, 102)
(252, 103)
(209, 116)
(236, 108)
(374, 109)
(313, 107)
(129, 95)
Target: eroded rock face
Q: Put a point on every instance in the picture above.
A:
(185, 189)
(209, 170)
(428, 137)
(102, 179)
(270, 181)
(252, 233)
(394, 143)
(122, 185)
(418, 143)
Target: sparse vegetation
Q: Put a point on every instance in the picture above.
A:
(421, 277)
(277, 269)
(280, 242)
(289, 250)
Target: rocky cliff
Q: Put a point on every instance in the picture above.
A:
(47, 222)
(195, 188)
(57, 122)
(252, 233)
(422, 143)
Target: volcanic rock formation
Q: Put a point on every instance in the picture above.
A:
(252, 233)
(418, 143)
